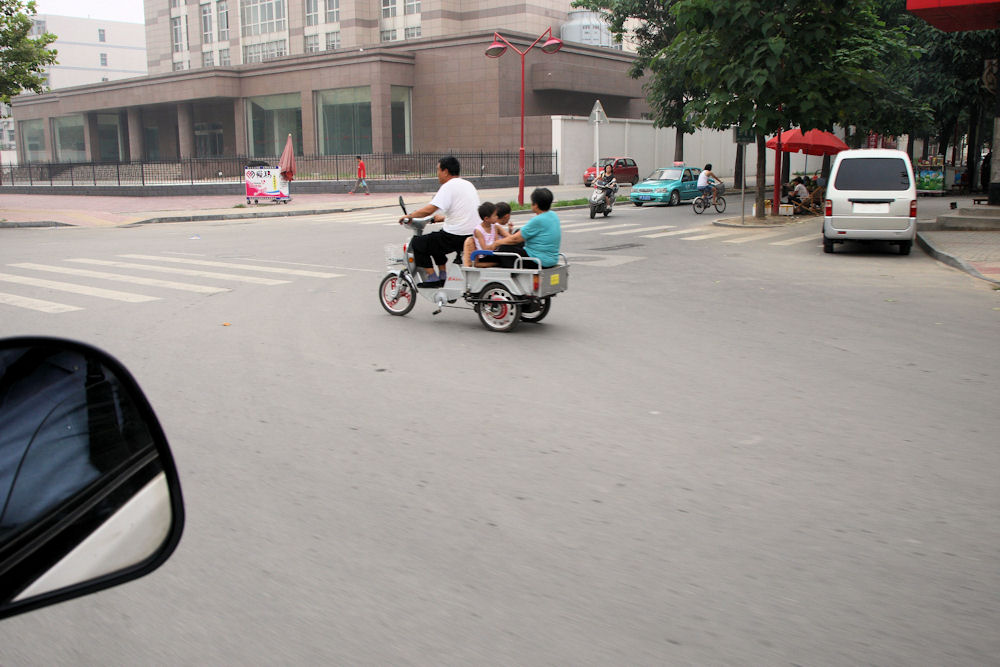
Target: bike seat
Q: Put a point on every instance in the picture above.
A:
(476, 254)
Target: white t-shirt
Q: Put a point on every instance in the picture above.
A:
(801, 191)
(458, 200)
(703, 179)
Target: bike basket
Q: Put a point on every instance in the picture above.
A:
(394, 253)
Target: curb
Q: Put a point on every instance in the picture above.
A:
(951, 260)
(37, 223)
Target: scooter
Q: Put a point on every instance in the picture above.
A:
(502, 297)
(602, 199)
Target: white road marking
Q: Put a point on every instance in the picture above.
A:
(641, 229)
(762, 236)
(674, 233)
(797, 239)
(711, 235)
(78, 289)
(136, 280)
(597, 229)
(184, 272)
(36, 304)
(231, 265)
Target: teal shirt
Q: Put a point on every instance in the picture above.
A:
(542, 236)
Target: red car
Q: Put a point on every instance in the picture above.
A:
(626, 170)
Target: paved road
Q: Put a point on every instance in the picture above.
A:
(717, 449)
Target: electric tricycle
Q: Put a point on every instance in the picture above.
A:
(502, 297)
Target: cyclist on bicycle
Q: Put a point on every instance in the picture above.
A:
(707, 181)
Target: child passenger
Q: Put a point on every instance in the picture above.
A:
(485, 236)
(503, 216)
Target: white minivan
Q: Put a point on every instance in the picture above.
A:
(871, 196)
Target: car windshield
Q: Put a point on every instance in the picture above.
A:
(604, 161)
(873, 173)
(665, 175)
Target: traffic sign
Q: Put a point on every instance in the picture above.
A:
(597, 114)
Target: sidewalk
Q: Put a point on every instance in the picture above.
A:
(975, 252)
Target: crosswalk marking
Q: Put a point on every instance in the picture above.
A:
(602, 227)
(233, 265)
(36, 304)
(751, 236)
(673, 233)
(797, 239)
(137, 280)
(257, 280)
(78, 289)
(711, 235)
(641, 229)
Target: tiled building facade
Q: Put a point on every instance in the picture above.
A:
(433, 93)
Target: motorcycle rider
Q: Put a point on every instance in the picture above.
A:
(607, 178)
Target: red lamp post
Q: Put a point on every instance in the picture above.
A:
(497, 49)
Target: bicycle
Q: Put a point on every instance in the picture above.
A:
(701, 202)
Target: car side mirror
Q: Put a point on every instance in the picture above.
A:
(89, 493)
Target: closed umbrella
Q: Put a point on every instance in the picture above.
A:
(286, 165)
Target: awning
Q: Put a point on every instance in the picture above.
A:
(956, 15)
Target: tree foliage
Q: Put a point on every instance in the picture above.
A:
(22, 58)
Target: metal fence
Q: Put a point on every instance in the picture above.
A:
(380, 166)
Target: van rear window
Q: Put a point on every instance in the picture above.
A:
(872, 173)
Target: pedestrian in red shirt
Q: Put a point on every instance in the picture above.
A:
(361, 177)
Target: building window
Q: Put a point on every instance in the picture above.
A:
(208, 139)
(177, 33)
(174, 4)
(255, 53)
(388, 8)
(332, 40)
(224, 58)
(208, 59)
(33, 139)
(68, 139)
(222, 10)
(37, 27)
(387, 36)
(178, 66)
(100, 35)
(259, 17)
(344, 120)
(332, 11)
(411, 33)
(411, 7)
(206, 24)
(104, 60)
(311, 44)
(104, 78)
(312, 12)
(270, 119)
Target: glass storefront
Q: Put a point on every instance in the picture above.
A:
(68, 139)
(344, 121)
(400, 111)
(109, 138)
(270, 119)
(33, 139)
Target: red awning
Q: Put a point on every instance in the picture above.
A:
(955, 15)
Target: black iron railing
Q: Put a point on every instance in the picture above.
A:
(380, 166)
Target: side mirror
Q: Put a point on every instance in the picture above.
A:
(89, 494)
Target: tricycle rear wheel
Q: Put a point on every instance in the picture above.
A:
(539, 314)
(498, 312)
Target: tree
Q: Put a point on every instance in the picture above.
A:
(771, 65)
(651, 26)
(22, 58)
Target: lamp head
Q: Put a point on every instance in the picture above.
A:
(496, 49)
(551, 45)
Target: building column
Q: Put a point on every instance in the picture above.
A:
(91, 139)
(240, 126)
(381, 116)
(185, 131)
(134, 121)
(310, 146)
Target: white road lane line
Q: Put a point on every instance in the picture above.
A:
(78, 289)
(36, 304)
(797, 239)
(601, 228)
(233, 265)
(641, 229)
(135, 280)
(256, 280)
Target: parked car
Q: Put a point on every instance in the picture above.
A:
(872, 196)
(626, 170)
(667, 185)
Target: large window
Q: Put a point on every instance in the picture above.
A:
(208, 139)
(207, 59)
(400, 110)
(222, 11)
(312, 12)
(344, 120)
(224, 58)
(255, 53)
(332, 40)
(207, 34)
(270, 119)
(388, 8)
(387, 36)
(332, 11)
(33, 139)
(411, 33)
(68, 139)
(109, 138)
(311, 44)
(177, 32)
(259, 17)
(411, 6)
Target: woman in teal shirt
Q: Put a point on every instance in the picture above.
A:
(539, 237)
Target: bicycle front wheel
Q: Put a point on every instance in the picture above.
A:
(720, 204)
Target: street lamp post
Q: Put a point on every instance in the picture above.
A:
(497, 49)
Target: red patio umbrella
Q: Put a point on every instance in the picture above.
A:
(286, 165)
(813, 142)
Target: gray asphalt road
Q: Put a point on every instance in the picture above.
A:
(717, 449)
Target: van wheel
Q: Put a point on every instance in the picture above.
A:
(827, 245)
(904, 247)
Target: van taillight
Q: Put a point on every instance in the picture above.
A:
(913, 208)
(829, 208)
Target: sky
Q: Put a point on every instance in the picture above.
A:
(108, 10)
